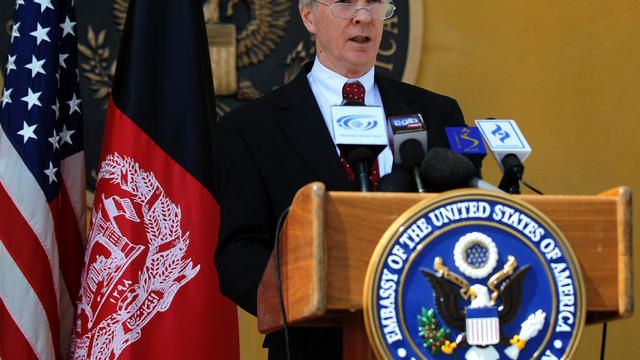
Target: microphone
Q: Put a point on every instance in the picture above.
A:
(397, 180)
(402, 128)
(360, 159)
(509, 148)
(412, 154)
(409, 139)
(445, 169)
(360, 134)
(466, 140)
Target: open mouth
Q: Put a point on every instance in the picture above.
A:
(360, 39)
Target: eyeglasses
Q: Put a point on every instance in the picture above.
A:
(346, 10)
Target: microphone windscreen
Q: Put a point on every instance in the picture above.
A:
(511, 163)
(360, 154)
(411, 153)
(396, 181)
(353, 103)
(445, 169)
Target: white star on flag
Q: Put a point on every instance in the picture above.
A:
(43, 262)
(32, 98)
(14, 32)
(6, 97)
(73, 104)
(65, 135)
(44, 4)
(11, 63)
(56, 108)
(40, 34)
(51, 171)
(61, 58)
(35, 66)
(67, 27)
(54, 140)
(27, 132)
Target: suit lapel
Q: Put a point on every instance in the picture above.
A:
(394, 101)
(302, 123)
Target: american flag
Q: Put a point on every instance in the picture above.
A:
(42, 185)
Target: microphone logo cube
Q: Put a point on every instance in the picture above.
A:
(406, 123)
(404, 127)
(503, 135)
(359, 125)
(465, 140)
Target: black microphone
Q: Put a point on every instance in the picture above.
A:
(397, 180)
(412, 154)
(355, 123)
(409, 138)
(510, 149)
(512, 174)
(360, 159)
(445, 169)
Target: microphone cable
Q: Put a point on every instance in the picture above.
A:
(530, 187)
(278, 282)
(604, 340)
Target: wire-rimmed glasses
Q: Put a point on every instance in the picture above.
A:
(347, 10)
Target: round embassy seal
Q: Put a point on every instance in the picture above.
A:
(473, 275)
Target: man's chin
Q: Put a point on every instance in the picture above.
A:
(361, 61)
(353, 70)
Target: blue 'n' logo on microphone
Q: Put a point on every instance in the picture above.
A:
(357, 122)
(500, 133)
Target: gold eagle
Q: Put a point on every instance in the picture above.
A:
(258, 39)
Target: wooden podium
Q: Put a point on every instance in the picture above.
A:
(328, 238)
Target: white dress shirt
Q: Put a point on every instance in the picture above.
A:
(327, 89)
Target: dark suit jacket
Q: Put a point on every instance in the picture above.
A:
(268, 149)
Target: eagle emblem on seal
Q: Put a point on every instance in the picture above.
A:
(490, 306)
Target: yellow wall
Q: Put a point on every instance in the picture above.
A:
(568, 73)
(250, 339)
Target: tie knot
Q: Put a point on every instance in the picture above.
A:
(353, 91)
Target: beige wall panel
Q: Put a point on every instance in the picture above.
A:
(250, 338)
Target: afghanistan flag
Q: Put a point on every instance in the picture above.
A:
(149, 287)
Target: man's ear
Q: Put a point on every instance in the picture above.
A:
(307, 16)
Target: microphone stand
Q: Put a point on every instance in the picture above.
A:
(513, 170)
(362, 177)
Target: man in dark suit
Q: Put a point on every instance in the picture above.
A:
(268, 149)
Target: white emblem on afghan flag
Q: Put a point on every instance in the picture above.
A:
(133, 268)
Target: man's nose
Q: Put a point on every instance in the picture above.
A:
(362, 14)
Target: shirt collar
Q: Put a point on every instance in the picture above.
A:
(332, 82)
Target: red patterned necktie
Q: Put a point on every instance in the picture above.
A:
(354, 91)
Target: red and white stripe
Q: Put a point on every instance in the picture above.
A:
(483, 331)
(41, 246)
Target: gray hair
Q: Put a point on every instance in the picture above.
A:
(311, 3)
